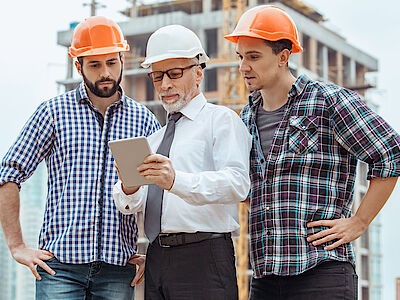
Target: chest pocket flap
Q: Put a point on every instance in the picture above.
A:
(303, 134)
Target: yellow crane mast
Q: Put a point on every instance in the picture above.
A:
(234, 93)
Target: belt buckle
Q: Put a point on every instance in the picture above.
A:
(159, 240)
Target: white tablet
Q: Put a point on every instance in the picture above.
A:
(130, 154)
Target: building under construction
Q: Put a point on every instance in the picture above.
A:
(327, 56)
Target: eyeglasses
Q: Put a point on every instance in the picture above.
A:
(173, 73)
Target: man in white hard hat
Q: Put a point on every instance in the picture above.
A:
(191, 209)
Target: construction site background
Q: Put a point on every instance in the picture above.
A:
(327, 56)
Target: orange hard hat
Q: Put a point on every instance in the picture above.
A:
(269, 23)
(95, 36)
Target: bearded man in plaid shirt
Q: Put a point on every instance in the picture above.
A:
(87, 249)
(307, 138)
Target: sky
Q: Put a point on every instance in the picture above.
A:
(374, 27)
(31, 62)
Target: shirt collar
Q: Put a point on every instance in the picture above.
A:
(81, 95)
(299, 85)
(297, 89)
(192, 109)
(255, 99)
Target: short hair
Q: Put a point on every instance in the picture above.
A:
(278, 46)
(80, 58)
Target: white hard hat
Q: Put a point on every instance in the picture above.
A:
(173, 41)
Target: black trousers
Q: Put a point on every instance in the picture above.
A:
(196, 271)
(329, 280)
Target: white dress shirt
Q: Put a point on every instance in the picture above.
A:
(210, 155)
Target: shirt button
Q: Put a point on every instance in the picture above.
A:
(262, 160)
(269, 233)
(268, 208)
(256, 138)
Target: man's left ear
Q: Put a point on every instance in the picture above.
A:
(199, 75)
(78, 67)
(284, 57)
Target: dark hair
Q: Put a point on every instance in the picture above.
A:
(80, 58)
(278, 46)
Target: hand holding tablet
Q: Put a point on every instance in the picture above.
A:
(130, 154)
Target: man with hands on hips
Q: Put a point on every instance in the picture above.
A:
(200, 173)
(307, 138)
(86, 249)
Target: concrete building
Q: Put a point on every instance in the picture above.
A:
(327, 56)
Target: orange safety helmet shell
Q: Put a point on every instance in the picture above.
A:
(95, 36)
(269, 23)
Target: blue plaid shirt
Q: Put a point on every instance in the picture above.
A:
(309, 173)
(81, 223)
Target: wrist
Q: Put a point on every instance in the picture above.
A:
(172, 184)
(129, 191)
(16, 247)
(363, 222)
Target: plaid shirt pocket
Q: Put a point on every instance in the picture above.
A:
(303, 134)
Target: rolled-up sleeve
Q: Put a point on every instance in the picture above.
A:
(31, 147)
(366, 135)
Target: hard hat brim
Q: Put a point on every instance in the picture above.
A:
(148, 61)
(98, 51)
(233, 37)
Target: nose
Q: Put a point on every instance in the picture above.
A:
(166, 82)
(244, 66)
(106, 72)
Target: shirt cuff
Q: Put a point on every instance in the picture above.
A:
(182, 184)
(127, 204)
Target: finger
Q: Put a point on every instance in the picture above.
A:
(44, 256)
(321, 223)
(134, 260)
(152, 172)
(141, 280)
(139, 276)
(34, 271)
(149, 166)
(325, 239)
(119, 174)
(135, 280)
(45, 267)
(48, 253)
(334, 245)
(155, 179)
(155, 158)
(320, 234)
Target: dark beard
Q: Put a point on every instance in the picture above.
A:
(104, 92)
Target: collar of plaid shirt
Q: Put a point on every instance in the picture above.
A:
(309, 173)
(81, 223)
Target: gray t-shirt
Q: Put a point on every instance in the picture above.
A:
(267, 123)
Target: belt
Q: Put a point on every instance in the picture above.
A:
(167, 240)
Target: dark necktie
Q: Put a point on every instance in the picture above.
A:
(152, 220)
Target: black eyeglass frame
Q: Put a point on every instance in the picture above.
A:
(168, 74)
